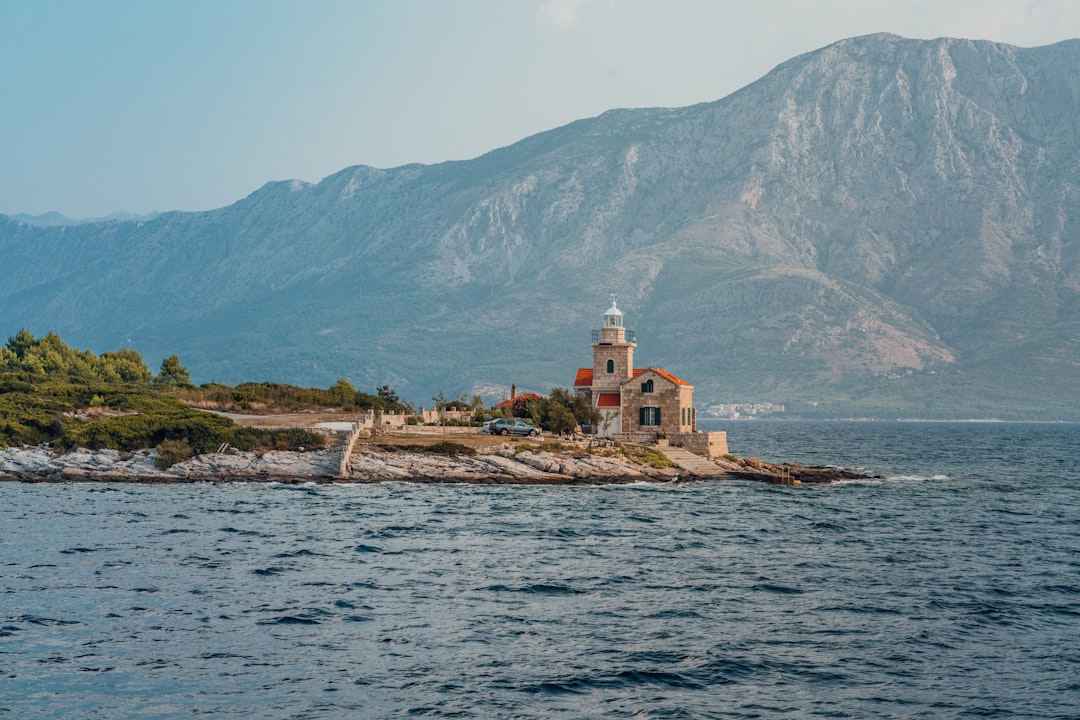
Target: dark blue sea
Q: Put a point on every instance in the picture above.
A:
(948, 589)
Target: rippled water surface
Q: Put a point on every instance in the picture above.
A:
(950, 589)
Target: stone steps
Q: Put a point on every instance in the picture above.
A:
(691, 463)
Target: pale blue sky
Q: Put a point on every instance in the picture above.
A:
(141, 105)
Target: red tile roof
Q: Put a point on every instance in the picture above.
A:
(669, 377)
(585, 376)
(521, 396)
(607, 400)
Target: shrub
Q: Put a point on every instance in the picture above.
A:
(290, 439)
(451, 449)
(645, 456)
(171, 452)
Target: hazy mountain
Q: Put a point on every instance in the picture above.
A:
(882, 227)
(54, 218)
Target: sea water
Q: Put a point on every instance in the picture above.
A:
(948, 589)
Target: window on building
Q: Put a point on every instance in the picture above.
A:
(611, 366)
(649, 416)
(647, 386)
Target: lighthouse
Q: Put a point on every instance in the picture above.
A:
(613, 351)
(639, 405)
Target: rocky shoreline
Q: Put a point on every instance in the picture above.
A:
(503, 465)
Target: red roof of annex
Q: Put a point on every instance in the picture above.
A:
(584, 376)
(522, 396)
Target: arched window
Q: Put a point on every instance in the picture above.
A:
(611, 366)
(647, 386)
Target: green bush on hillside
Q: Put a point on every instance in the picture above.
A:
(50, 393)
(280, 397)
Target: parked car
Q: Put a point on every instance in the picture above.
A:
(486, 428)
(512, 426)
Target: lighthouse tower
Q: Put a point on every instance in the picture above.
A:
(645, 405)
(613, 352)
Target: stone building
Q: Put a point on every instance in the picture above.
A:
(644, 405)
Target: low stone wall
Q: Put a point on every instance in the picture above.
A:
(435, 416)
(707, 444)
(400, 421)
(347, 448)
(442, 430)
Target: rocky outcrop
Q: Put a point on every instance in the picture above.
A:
(504, 465)
(42, 464)
(794, 474)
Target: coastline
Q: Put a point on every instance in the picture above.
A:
(504, 465)
(40, 464)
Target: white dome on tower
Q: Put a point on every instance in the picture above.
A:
(613, 317)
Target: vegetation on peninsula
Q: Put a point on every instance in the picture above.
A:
(69, 398)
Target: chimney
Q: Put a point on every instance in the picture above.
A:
(513, 392)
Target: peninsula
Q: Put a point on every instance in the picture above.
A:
(409, 457)
(70, 415)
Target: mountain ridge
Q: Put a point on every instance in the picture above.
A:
(883, 226)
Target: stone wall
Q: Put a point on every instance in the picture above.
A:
(443, 430)
(707, 444)
(400, 421)
(436, 416)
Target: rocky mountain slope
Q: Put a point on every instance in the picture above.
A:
(884, 227)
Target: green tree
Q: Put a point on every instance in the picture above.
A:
(560, 419)
(560, 413)
(390, 400)
(173, 373)
(124, 365)
(584, 413)
(388, 396)
(343, 393)
(21, 342)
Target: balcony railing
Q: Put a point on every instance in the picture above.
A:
(631, 339)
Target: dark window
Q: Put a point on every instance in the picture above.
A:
(647, 386)
(611, 366)
(649, 416)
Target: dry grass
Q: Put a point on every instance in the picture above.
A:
(476, 441)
